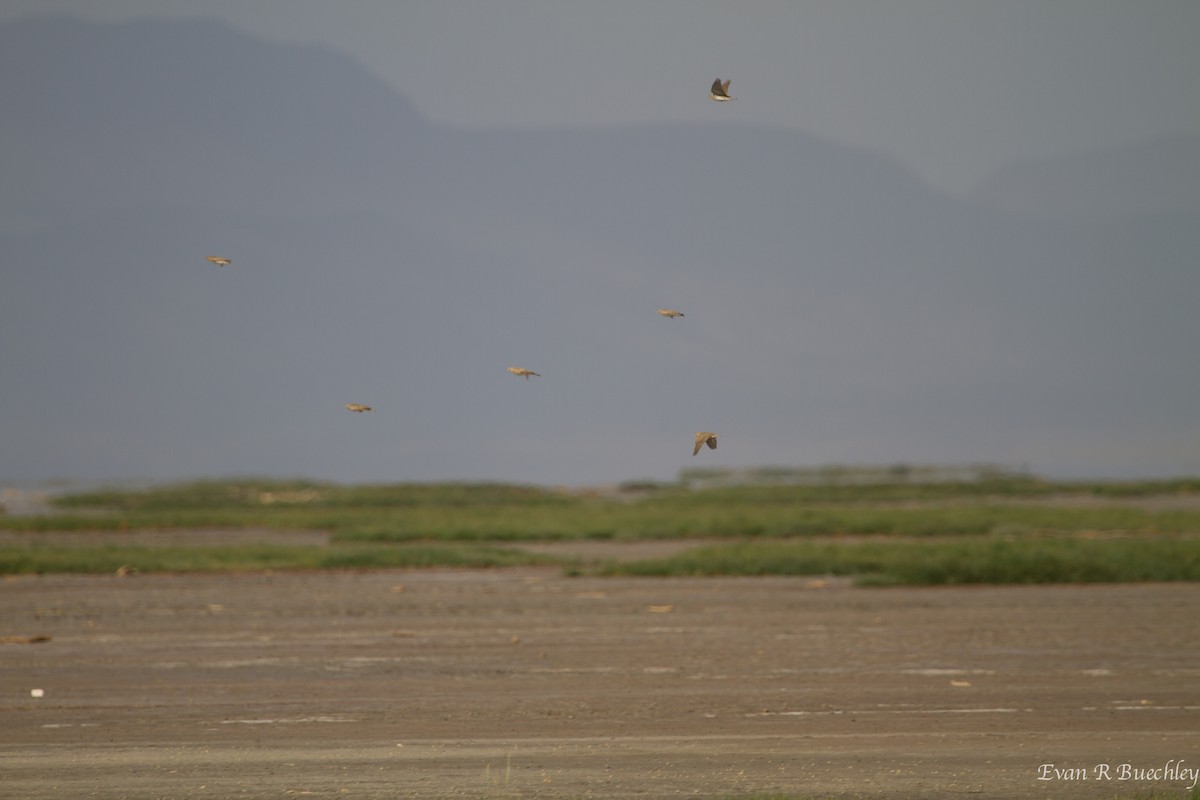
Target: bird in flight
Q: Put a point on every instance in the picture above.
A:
(522, 371)
(720, 91)
(358, 407)
(670, 313)
(705, 438)
(218, 260)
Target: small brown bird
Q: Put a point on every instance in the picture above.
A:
(218, 260)
(720, 91)
(522, 371)
(670, 313)
(705, 438)
(358, 407)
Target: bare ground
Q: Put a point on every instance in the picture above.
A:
(527, 684)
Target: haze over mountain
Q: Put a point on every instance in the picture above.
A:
(1158, 177)
(838, 308)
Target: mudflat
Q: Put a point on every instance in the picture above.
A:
(526, 683)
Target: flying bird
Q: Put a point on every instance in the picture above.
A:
(522, 371)
(358, 407)
(670, 313)
(218, 260)
(705, 438)
(720, 91)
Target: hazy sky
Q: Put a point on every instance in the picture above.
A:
(954, 88)
(842, 311)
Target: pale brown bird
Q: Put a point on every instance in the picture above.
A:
(358, 407)
(522, 371)
(720, 91)
(218, 260)
(705, 438)
(670, 313)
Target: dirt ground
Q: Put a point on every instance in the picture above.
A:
(525, 684)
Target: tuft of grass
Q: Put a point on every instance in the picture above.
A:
(962, 561)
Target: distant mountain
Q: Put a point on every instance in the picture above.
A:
(1138, 180)
(838, 308)
(100, 116)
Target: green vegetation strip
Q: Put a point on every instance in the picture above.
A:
(999, 528)
(922, 563)
(497, 512)
(45, 558)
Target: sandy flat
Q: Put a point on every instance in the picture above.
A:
(525, 683)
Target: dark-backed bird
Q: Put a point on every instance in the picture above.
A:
(720, 91)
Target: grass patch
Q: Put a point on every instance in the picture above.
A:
(458, 524)
(494, 512)
(257, 493)
(103, 559)
(961, 561)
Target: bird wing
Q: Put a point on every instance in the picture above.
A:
(700, 437)
(725, 87)
(717, 88)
